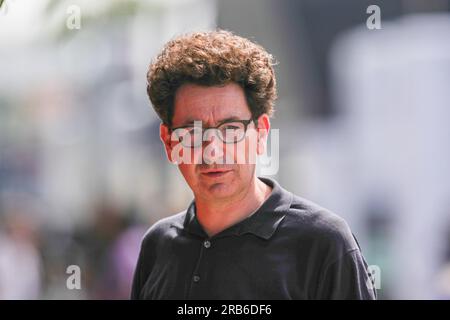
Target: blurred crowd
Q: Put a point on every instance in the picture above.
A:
(34, 259)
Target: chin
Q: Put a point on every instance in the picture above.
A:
(219, 190)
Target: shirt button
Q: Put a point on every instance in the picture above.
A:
(196, 278)
(207, 244)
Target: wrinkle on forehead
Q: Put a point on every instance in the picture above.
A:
(210, 105)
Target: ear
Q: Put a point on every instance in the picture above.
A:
(263, 132)
(165, 136)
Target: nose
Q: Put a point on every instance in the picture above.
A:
(212, 148)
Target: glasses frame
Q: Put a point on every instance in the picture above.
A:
(244, 122)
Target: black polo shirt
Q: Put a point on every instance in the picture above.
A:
(290, 248)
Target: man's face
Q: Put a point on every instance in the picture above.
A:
(209, 172)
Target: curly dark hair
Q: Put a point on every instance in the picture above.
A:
(212, 58)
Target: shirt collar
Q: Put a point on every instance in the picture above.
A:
(263, 223)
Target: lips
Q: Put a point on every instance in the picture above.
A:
(215, 173)
(215, 170)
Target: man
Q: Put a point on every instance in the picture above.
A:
(243, 237)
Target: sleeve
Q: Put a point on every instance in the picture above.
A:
(146, 261)
(347, 278)
(137, 285)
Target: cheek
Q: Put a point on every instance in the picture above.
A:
(188, 172)
(244, 152)
(182, 155)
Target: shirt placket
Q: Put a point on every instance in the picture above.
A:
(199, 276)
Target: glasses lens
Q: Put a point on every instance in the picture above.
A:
(189, 137)
(232, 132)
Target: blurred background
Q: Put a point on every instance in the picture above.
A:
(363, 116)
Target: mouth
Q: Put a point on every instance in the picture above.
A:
(215, 173)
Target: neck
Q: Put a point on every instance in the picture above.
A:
(217, 216)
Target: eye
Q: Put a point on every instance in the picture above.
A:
(230, 127)
(181, 133)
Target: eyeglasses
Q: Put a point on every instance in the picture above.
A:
(229, 132)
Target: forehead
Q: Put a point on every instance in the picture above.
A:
(209, 104)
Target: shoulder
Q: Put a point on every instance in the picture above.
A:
(319, 227)
(162, 228)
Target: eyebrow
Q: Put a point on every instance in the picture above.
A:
(190, 122)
